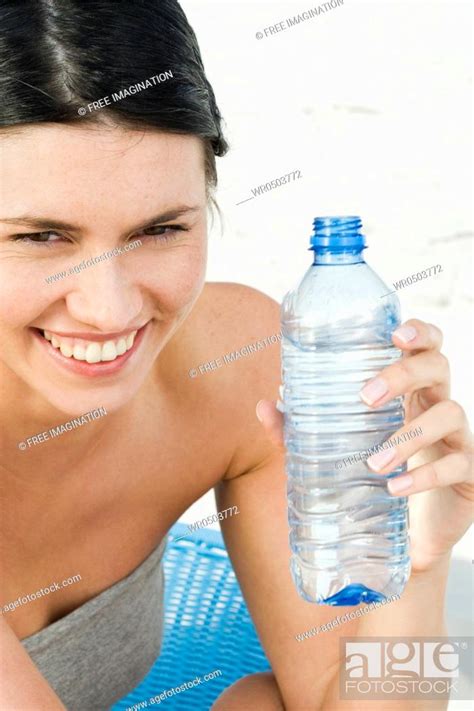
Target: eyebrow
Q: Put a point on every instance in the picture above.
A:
(47, 223)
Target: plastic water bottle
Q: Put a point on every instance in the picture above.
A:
(348, 535)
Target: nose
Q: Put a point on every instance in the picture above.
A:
(105, 296)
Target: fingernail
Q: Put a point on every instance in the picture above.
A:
(257, 412)
(400, 483)
(374, 390)
(405, 333)
(379, 461)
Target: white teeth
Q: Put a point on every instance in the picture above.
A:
(91, 351)
(79, 352)
(109, 351)
(66, 350)
(121, 346)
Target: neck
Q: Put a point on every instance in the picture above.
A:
(30, 452)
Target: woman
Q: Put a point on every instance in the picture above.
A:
(87, 168)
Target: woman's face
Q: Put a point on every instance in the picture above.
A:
(69, 194)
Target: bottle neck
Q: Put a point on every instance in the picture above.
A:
(337, 240)
(326, 256)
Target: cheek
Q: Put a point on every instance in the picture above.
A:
(24, 293)
(178, 280)
(20, 302)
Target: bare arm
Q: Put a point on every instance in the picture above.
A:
(21, 684)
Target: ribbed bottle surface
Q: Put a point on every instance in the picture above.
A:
(348, 534)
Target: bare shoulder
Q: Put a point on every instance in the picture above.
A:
(226, 357)
(239, 311)
(225, 320)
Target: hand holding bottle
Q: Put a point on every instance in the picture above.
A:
(441, 460)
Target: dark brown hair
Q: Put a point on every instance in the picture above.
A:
(60, 55)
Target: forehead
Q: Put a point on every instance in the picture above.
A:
(86, 169)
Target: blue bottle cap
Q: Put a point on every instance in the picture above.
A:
(337, 233)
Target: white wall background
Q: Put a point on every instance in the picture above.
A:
(371, 101)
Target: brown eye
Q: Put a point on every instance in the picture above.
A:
(164, 233)
(36, 237)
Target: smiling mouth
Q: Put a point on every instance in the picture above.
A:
(90, 351)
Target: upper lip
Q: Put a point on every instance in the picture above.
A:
(86, 336)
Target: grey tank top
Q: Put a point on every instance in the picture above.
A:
(101, 650)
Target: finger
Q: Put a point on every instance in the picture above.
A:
(443, 419)
(452, 469)
(417, 335)
(424, 370)
(272, 421)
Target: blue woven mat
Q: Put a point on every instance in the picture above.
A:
(207, 627)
